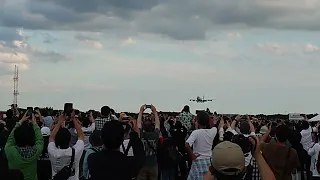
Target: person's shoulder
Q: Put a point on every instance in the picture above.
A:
(293, 152)
(79, 144)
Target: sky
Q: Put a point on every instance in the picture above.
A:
(251, 56)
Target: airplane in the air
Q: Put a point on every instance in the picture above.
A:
(201, 100)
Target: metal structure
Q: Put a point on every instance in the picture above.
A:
(15, 84)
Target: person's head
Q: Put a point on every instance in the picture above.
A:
(24, 135)
(112, 111)
(148, 126)
(281, 133)
(227, 136)
(228, 161)
(9, 113)
(36, 109)
(105, 111)
(112, 135)
(86, 122)
(127, 128)
(186, 108)
(305, 125)
(2, 126)
(263, 130)
(63, 138)
(294, 137)
(203, 119)
(244, 127)
(95, 139)
(45, 131)
(178, 124)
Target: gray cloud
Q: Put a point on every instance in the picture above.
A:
(47, 55)
(9, 35)
(179, 19)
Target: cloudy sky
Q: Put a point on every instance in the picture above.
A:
(252, 56)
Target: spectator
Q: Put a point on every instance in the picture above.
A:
(105, 117)
(110, 163)
(149, 135)
(24, 146)
(282, 159)
(185, 117)
(44, 165)
(60, 153)
(201, 140)
(314, 153)
(228, 162)
(96, 143)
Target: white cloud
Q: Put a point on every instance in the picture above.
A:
(310, 48)
(288, 48)
(13, 57)
(272, 47)
(129, 41)
(95, 44)
(19, 44)
(234, 36)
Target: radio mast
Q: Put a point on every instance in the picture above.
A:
(15, 84)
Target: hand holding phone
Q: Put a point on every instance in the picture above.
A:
(68, 108)
(29, 112)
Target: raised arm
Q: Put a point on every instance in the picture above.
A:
(56, 128)
(139, 120)
(38, 137)
(156, 117)
(78, 128)
(264, 169)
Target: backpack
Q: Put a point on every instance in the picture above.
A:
(126, 151)
(318, 163)
(66, 171)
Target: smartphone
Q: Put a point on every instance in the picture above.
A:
(68, 108)
(148, 106)
(30, 111)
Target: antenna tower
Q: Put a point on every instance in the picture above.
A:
(15, 84)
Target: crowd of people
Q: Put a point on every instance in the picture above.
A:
(150, 146)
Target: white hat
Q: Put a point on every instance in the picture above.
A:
(263, 130)
(45, 131)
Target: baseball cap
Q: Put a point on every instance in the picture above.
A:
(45, 131)
(228, 158)
(263, 129)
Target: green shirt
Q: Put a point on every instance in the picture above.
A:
(28, 166)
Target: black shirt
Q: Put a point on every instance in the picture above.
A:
(114, 165)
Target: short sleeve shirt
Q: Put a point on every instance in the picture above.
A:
(60, 158)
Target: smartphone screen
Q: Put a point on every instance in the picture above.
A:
(68, 107)
(148, 106)
(30, 111)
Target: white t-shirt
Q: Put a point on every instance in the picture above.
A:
(201, 140)
(306, 138)
(125, 144)
(87, 132)
(60, 158)
(314, 152)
